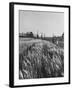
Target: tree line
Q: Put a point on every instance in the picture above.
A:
(42, 36)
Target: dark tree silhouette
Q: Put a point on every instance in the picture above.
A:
(37, 35)
(29, 34)
(41, 36)
(54, 39)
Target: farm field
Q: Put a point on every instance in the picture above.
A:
(40, 59)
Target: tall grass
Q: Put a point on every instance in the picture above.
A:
(41, 61)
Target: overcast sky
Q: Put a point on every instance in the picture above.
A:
(49, 23)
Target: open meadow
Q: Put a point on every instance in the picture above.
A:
(40, 59)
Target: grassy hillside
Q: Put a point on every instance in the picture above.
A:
(40, 59)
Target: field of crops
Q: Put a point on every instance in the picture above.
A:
(40, 59)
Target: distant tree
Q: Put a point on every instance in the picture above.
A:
(63, 35)
(54, 39)
(41, 36)
(37, 35)
(29, 34)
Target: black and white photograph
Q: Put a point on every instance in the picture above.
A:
(40, 54)
(41, 44)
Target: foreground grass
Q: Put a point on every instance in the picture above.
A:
(40, 59)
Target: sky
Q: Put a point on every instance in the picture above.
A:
(48, 23)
